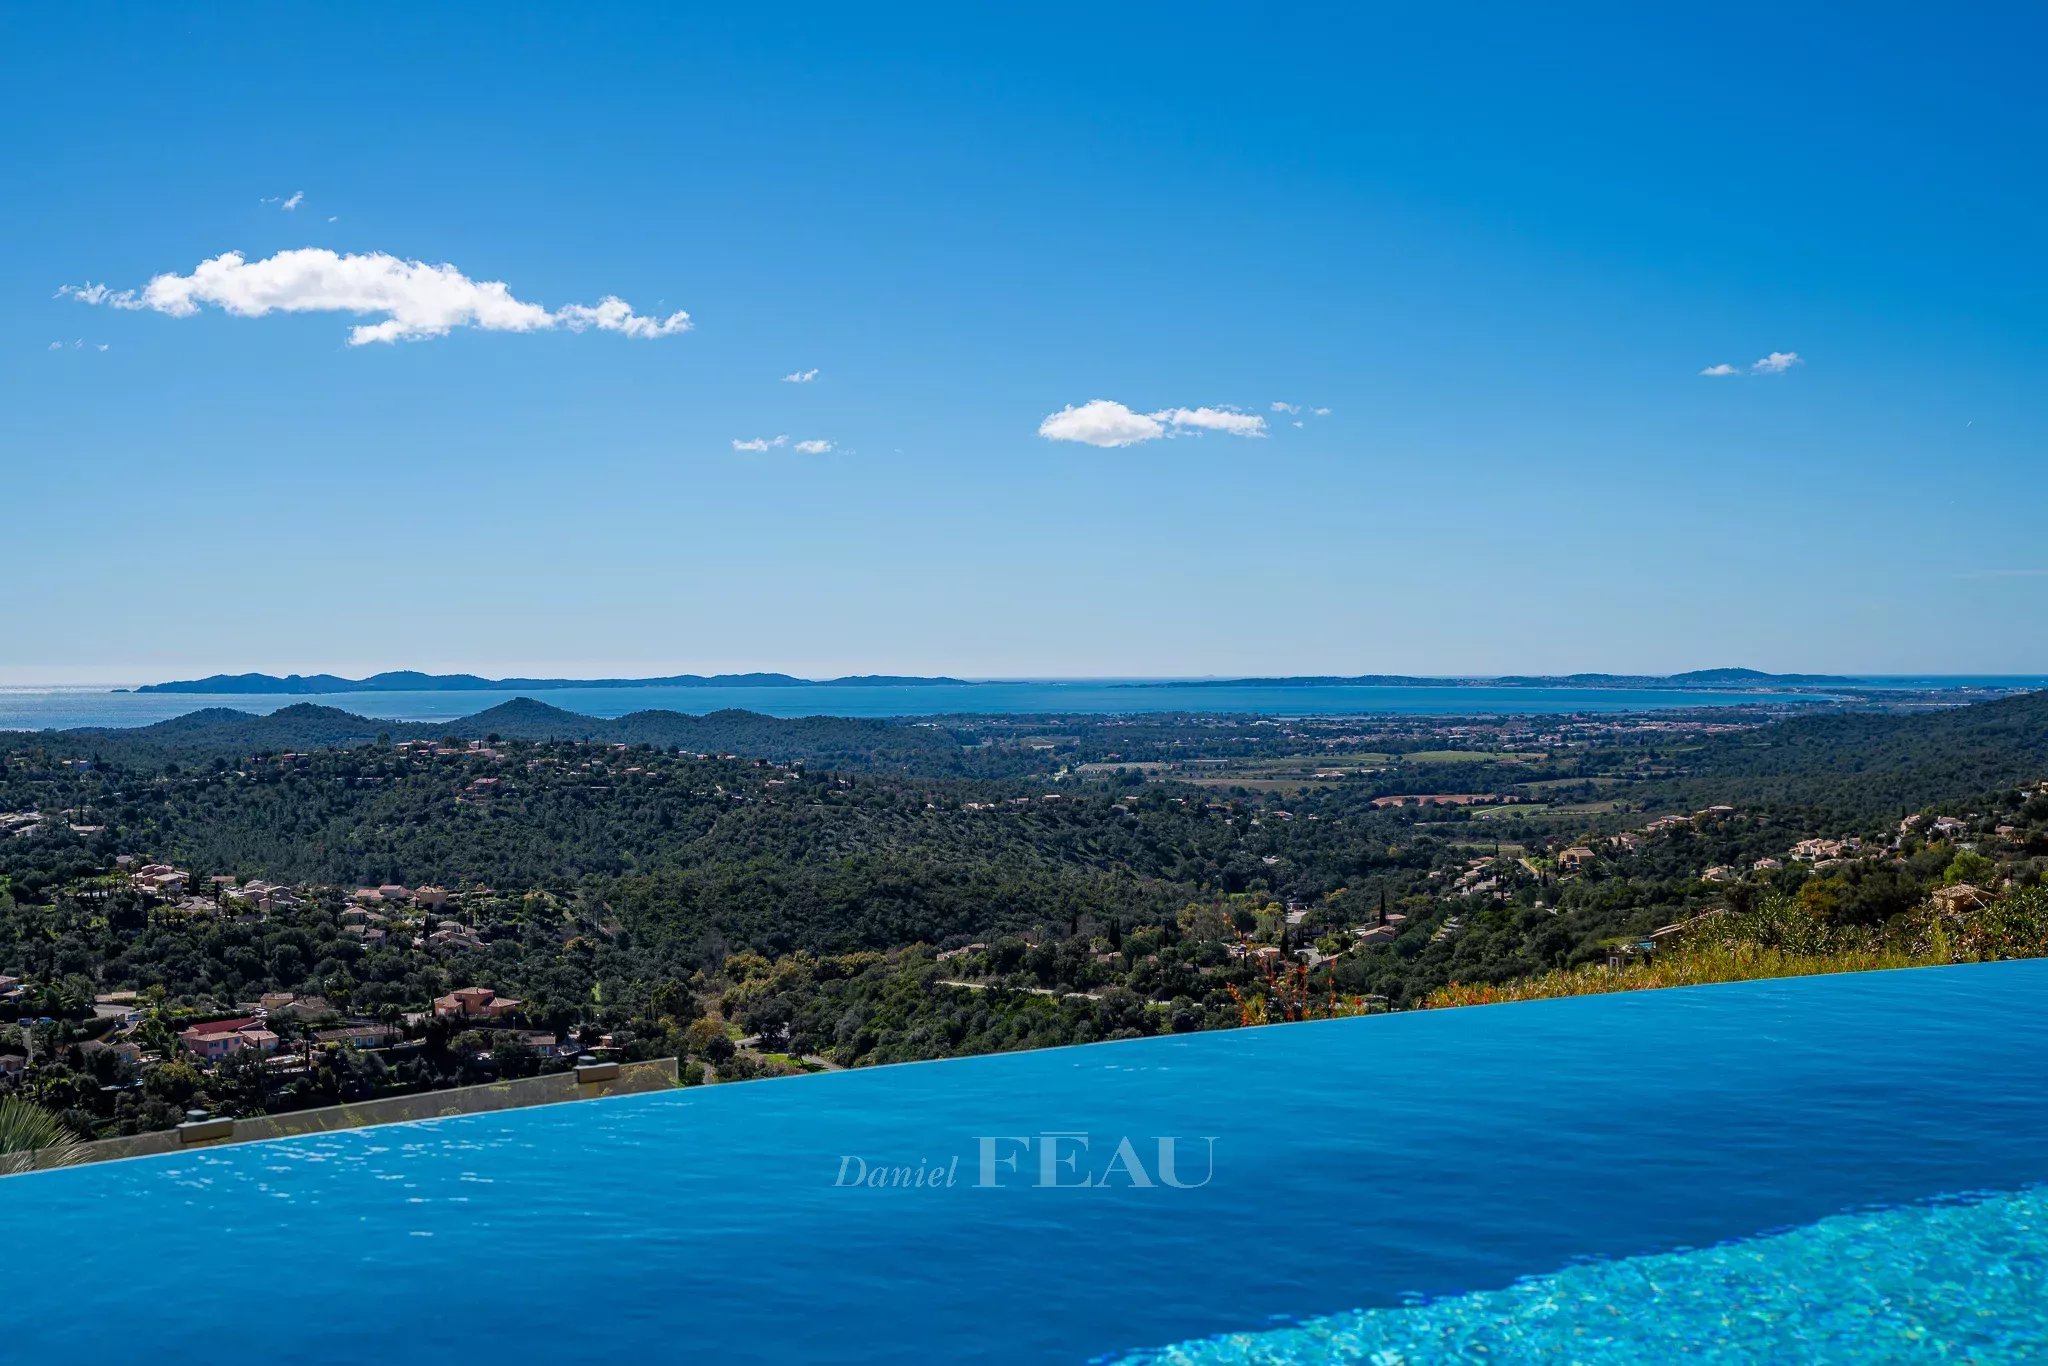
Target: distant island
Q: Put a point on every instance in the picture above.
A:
(409, 680)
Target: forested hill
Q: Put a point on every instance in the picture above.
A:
(411, 680)
(222, 732)
(1842, 767)
(1857, 765)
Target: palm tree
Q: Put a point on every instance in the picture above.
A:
(32, 1137)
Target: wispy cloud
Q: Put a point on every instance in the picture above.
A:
(1288, 408)
(1214, 420)
(814, 447)
(800, 376)
(760, 443)
(1777, 363)
(1104, 422)
(289, 202)
(417, 300)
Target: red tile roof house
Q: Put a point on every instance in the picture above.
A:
(474, 1003)
(212, 1040)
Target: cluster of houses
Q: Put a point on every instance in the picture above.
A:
(167, 883)
(28, 822)
(1478, 877)
(371, 915)
(159, 880)
(212, 1041)
(1579, 857)
(427, 898)
(1819, 852)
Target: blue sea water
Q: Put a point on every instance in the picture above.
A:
(60, 708)
(1845, 1168)
(33, 708)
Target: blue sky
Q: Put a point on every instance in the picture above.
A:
(1498, 246)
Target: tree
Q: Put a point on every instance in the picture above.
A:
(707, 1039)
(769, 1018)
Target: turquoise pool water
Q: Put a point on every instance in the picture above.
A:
(1845, 1168)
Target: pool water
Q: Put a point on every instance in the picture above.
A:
(1843, 1168)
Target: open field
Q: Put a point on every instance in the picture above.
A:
(1467, 756)
(1551, 784)
(1264, 784)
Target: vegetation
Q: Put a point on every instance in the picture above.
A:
(31, 1136)
(1781, 938)
(973, 886)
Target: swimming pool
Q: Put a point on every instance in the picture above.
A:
(1845, 1166)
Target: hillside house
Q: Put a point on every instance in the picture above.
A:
(212, 1040)
(474, 1003)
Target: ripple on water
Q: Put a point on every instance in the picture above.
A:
(1955, 1281)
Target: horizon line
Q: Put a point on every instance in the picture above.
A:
(119, 684)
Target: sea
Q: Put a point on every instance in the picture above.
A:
(60, 708)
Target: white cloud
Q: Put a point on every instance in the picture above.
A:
(1280, 407)
(801, 376)
(1719, 370)
(1103, 422)
(298, 198)
(1322, 412)
(103, 346)
(814, 447)
(417, 299)
(760, 443)
(56, 346)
